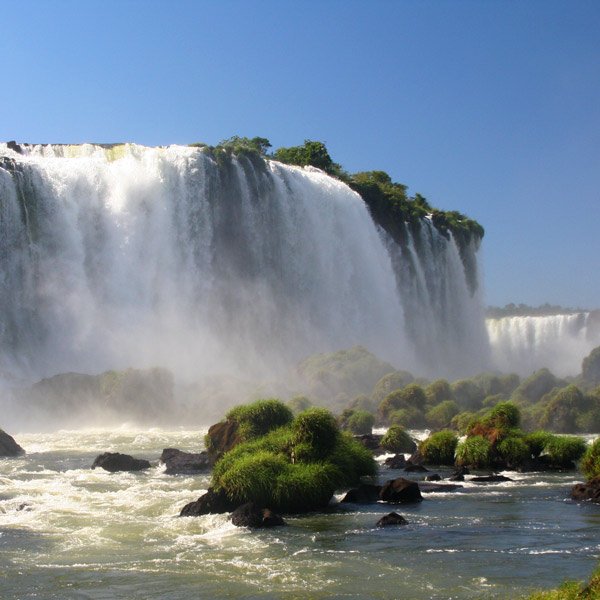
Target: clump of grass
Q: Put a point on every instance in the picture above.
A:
(260, 417)
(397, 440)
(565, 449)
(474, 452)
(439, 448)
(590, 463)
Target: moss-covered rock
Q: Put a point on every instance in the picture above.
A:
(397, 440)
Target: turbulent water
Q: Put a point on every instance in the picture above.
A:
(559, 342)
(134, 256)
(70, 533)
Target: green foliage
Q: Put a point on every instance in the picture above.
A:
(442, 414)
(412, 399)
(461, 421)
(590, 368)
(315, 433)
(513, 449)
(590, 463)
(260, 417)
(505, 415)
(563, 449)
(397, 440)
(297, 404)
(438, 391)
(363, 402)
(562, 411)
(439, 448)
(407, 417)
(537, 441)
(389, 383)
(571, 590)
(310, 153)
(243, 145)
(535, 386)
(467, 394)
(474, 452)
(360, 422)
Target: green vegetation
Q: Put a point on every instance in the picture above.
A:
(404, 407)
(590, 369)
(293, 467)
(572, 590)
(564, 450)
(297, 404)
(590, 463)
(474, 452)
(397, 440)
(441, 415)
(439, 448)
(358, 422)
(311, 153)
(257, 419)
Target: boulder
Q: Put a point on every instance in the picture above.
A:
(184, 462)
(400, 491)
(209, 503)
(587, 491)
(459, 474)
(391, 519)
(364, 494)
(413, 468)
(427, 487)
(433, 477)
(371, 442)
(222, 437)
(253, 516)
(8, 446)
(490, 479)
(115, 461)
(416, 458)
(395, 462)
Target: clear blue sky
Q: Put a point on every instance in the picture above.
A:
(488, 107)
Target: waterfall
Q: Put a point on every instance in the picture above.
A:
(559, 342)
(132, 256)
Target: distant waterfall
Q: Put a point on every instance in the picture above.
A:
(558, 342)
(133, 256)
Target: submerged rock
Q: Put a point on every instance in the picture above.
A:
(587, 491)
(391, 519)
(400, 491)
(490, 478)
(8, 446)
(211, 502)
(115, 461)
(178, 461)
(395, 462)
(253, 516)
(413, 468)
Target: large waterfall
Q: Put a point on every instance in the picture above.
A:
(132, 256)
(523, 344)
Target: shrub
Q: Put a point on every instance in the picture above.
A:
(513, 450)
(505, 415)
(407, 417)
(363, 402)
(297, 404)
(442, 414)
(564, 449)
(438, 391)
(397, 440)
(467, 394)
(474, 452)
(315, 432)
(537, 441)
(260, 417)
(590, 463)
(562, 411)
(361, 422)
(391, 382)
(439, 448)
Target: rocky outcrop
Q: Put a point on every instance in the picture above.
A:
(8, 446)
(400, 491)
(363, 494)
(490, 479)
(211, 502)
(589, 491)
(115, 461)
(392, 518)
(221, 438)
(395, 462)
(371, 441)
(253, 516)
(415, 468)
(188, 463)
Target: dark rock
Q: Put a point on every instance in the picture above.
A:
(8, 446)
(391, 519)
(253, 516)
(490, 479)
(399, 491)
(427, 488)
(371, 442)
(210, 503)
(115, 461)
(395, 462)
(223, 436)
(412, 468)
(532, 465)
(363, 494)
(587, 491)
(459, 474)
(416, 458)
(184, 462)
(14, 146)
(434, 477)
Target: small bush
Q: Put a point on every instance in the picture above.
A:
(407, 417)
(397, 440)
(442, 414)
(315, 433)
(361, 422)
(260, 417)
(439, 448)
(505, 415)
(297, 404)
(513, 449)
(537, 441)
(590, 463)
(474, 452)
(565, 449)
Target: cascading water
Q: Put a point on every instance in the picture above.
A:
(523, 344)
(132, 256)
